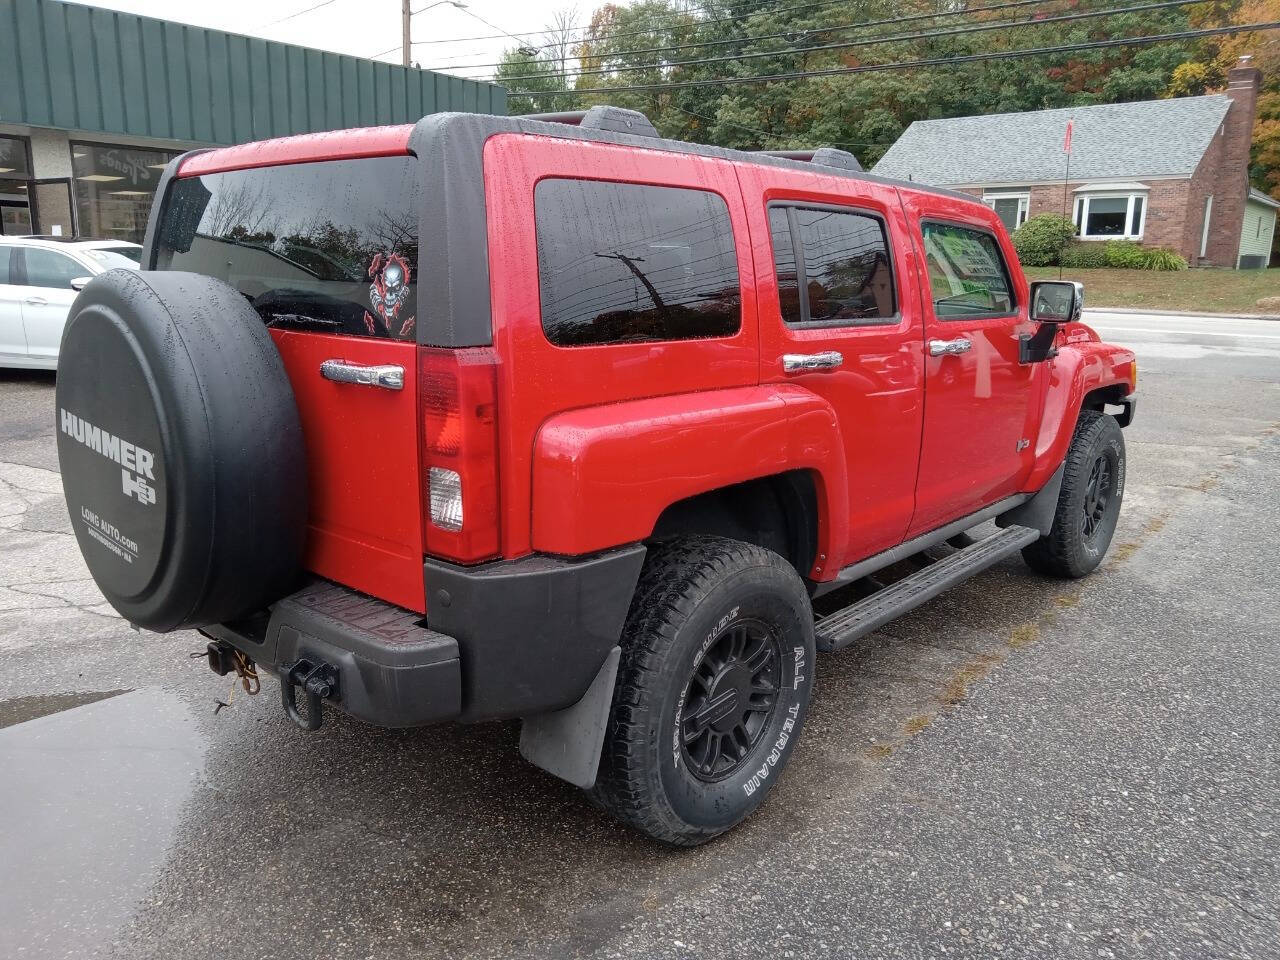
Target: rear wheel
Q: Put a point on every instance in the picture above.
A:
(712, 691)
(1088, 503)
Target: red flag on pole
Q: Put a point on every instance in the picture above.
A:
(1066, 143)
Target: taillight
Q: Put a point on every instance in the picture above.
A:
(458, 394)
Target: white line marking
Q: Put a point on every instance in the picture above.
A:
(1185, 333)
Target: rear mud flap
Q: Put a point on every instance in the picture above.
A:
(567, 742)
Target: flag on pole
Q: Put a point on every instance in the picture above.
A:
(1066, 143)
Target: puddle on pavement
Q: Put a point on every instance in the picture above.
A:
(90, 798)
(22, 709)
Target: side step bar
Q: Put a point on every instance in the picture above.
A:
(841, 628)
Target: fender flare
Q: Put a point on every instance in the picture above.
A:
(1080, 368)
(648, 454)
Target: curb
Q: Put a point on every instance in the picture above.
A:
(1183, 313)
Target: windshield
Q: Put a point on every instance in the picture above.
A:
(329, 246)
(127, 257)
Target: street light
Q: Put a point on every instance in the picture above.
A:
(406, 41)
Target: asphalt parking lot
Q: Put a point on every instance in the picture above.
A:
(1019, 768)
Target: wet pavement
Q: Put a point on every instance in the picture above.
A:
(1020, 768)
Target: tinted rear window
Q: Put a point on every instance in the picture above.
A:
(329, 246)
(624, 263)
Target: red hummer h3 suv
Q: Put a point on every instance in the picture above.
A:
(550, 418)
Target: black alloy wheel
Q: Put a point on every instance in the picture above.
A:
(730, 699)
(1097, 494)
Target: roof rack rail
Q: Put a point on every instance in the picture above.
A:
(601, 117)
(823, 156)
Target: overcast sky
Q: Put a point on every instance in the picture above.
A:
(370, 28)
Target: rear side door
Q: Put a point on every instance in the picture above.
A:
(13, 342)
(981, 403)
(840, 316)
(327, 253)
(47, 275)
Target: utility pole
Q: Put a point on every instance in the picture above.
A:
(406, 42)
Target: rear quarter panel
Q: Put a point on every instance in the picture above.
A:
(539, 380)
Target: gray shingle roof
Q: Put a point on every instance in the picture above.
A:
(1121, 140)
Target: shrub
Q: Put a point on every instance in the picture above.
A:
(1162, 258)
(1121, 255)
(1124, 254)
(1041, 239)
(1084, 256)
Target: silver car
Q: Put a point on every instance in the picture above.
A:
(39, 278)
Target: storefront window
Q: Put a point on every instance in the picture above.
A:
(114, 188)
(15, 170)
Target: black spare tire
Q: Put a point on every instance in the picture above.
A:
(180, 448)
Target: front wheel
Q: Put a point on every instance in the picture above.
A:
(712, 691)
(1088, 502)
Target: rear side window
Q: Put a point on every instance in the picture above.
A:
(624, 263)
(967, 274)
(330, 246)
(4, 264)
(832, 266)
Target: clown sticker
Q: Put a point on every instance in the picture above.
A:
(388, 294)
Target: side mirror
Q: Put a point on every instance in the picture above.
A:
(79, 283)
(1053, 302)
(1057, 301)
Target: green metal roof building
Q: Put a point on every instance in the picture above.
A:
(93, 103)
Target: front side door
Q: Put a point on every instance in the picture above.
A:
(13, 342)
(47, 297)
(840, 316)
(981, 403)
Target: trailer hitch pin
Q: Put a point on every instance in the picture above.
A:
(318, 680)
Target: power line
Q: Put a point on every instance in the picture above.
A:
(674, 15)
(903, 64)
(866, 41)
(693, 22)
(789, 34)
(325, 3)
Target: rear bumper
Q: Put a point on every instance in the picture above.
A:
(391, 670)
(508, 639)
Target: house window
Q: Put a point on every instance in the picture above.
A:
(1108, 216)
(1011, 208)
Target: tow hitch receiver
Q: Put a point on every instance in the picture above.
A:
(221, 657)
(319, 682)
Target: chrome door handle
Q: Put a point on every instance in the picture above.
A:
(386, 375)
(944, 348)
(799, 362)
(36, 301)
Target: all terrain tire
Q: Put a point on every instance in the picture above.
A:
(712, 691)
(1088, 502)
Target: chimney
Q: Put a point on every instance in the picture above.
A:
(1231, 186)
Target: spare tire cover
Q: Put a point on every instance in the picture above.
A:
(180, 448)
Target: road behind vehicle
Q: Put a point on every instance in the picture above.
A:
(39, 280)
(508, 417)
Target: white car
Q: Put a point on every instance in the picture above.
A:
(39, 278)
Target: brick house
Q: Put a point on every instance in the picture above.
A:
(1168, 173)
